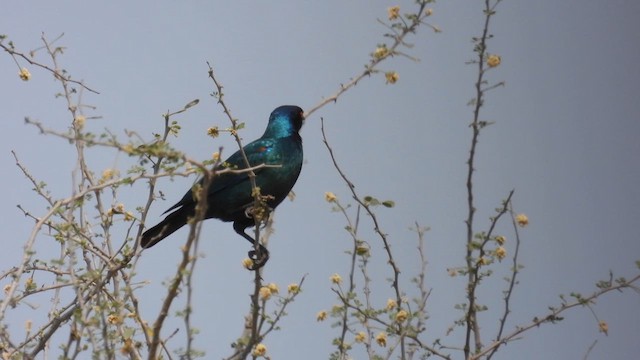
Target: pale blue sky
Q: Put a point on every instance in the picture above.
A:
(566, 138)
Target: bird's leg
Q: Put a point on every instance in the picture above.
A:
(259, 255)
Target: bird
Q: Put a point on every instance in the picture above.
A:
(229, 195)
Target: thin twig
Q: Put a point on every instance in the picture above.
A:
(554, 315)
(512, 282)
(55, 72)
(371, 67)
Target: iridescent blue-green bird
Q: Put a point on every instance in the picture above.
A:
(229, 194)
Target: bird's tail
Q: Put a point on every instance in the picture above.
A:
(166, 227)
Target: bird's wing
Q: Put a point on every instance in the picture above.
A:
(258, 152)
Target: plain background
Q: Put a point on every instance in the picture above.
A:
(565, 138)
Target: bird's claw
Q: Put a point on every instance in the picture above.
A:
(259, 258)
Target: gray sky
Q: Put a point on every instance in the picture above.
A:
(565, 137)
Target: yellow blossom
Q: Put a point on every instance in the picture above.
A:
(118, 209)
(293, 288)
(260, 350)
(330, 197)
(501, 239)
(6, 289)
(321, 316)
(79, 121)
(452, 272)
(336, 279)
(114, 319)
(108, 174)
(428, 12)
(265, 293)
(604, 327)
(216, 156)
(483, 261)
(128, 347)
(128, 216)
(391, 304)
(381, 339)
(380, 52)
(273, 287)
(393, 12)
(362, 249)
(522, 220)
(24, 74)
(213, 131)
(392, 77)
(493, 60)
(29, 284)
(247, 263)
(401, 316)
(501, 252)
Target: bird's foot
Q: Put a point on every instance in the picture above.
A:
(259, 258)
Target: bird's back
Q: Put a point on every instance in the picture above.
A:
(230, 194)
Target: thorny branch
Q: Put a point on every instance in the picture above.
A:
(376, 226)
(472, 327)
(255, 297)
(512, 282)
(57, 73)
(554, 314)
(399, 40)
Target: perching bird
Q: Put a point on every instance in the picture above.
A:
(229, 195)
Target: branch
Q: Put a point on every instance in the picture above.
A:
(554, 314)
(371, 67)
(56, 73)
(471, 319)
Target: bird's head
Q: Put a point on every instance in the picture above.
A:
(285, 121)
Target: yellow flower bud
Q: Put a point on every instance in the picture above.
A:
(79, 121)
(260, 350)
(321, 316)
(391, 77)
(604, 327)
(24, 74)
(213, 131)
(265, 293)
(401, 316)
(391, 304)
(293, 288)
(330, 197)
(493, 60)
(336, 279)
(380, 52)
(273, 288)
(247, 263)
(522, 220)
(393, 12)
